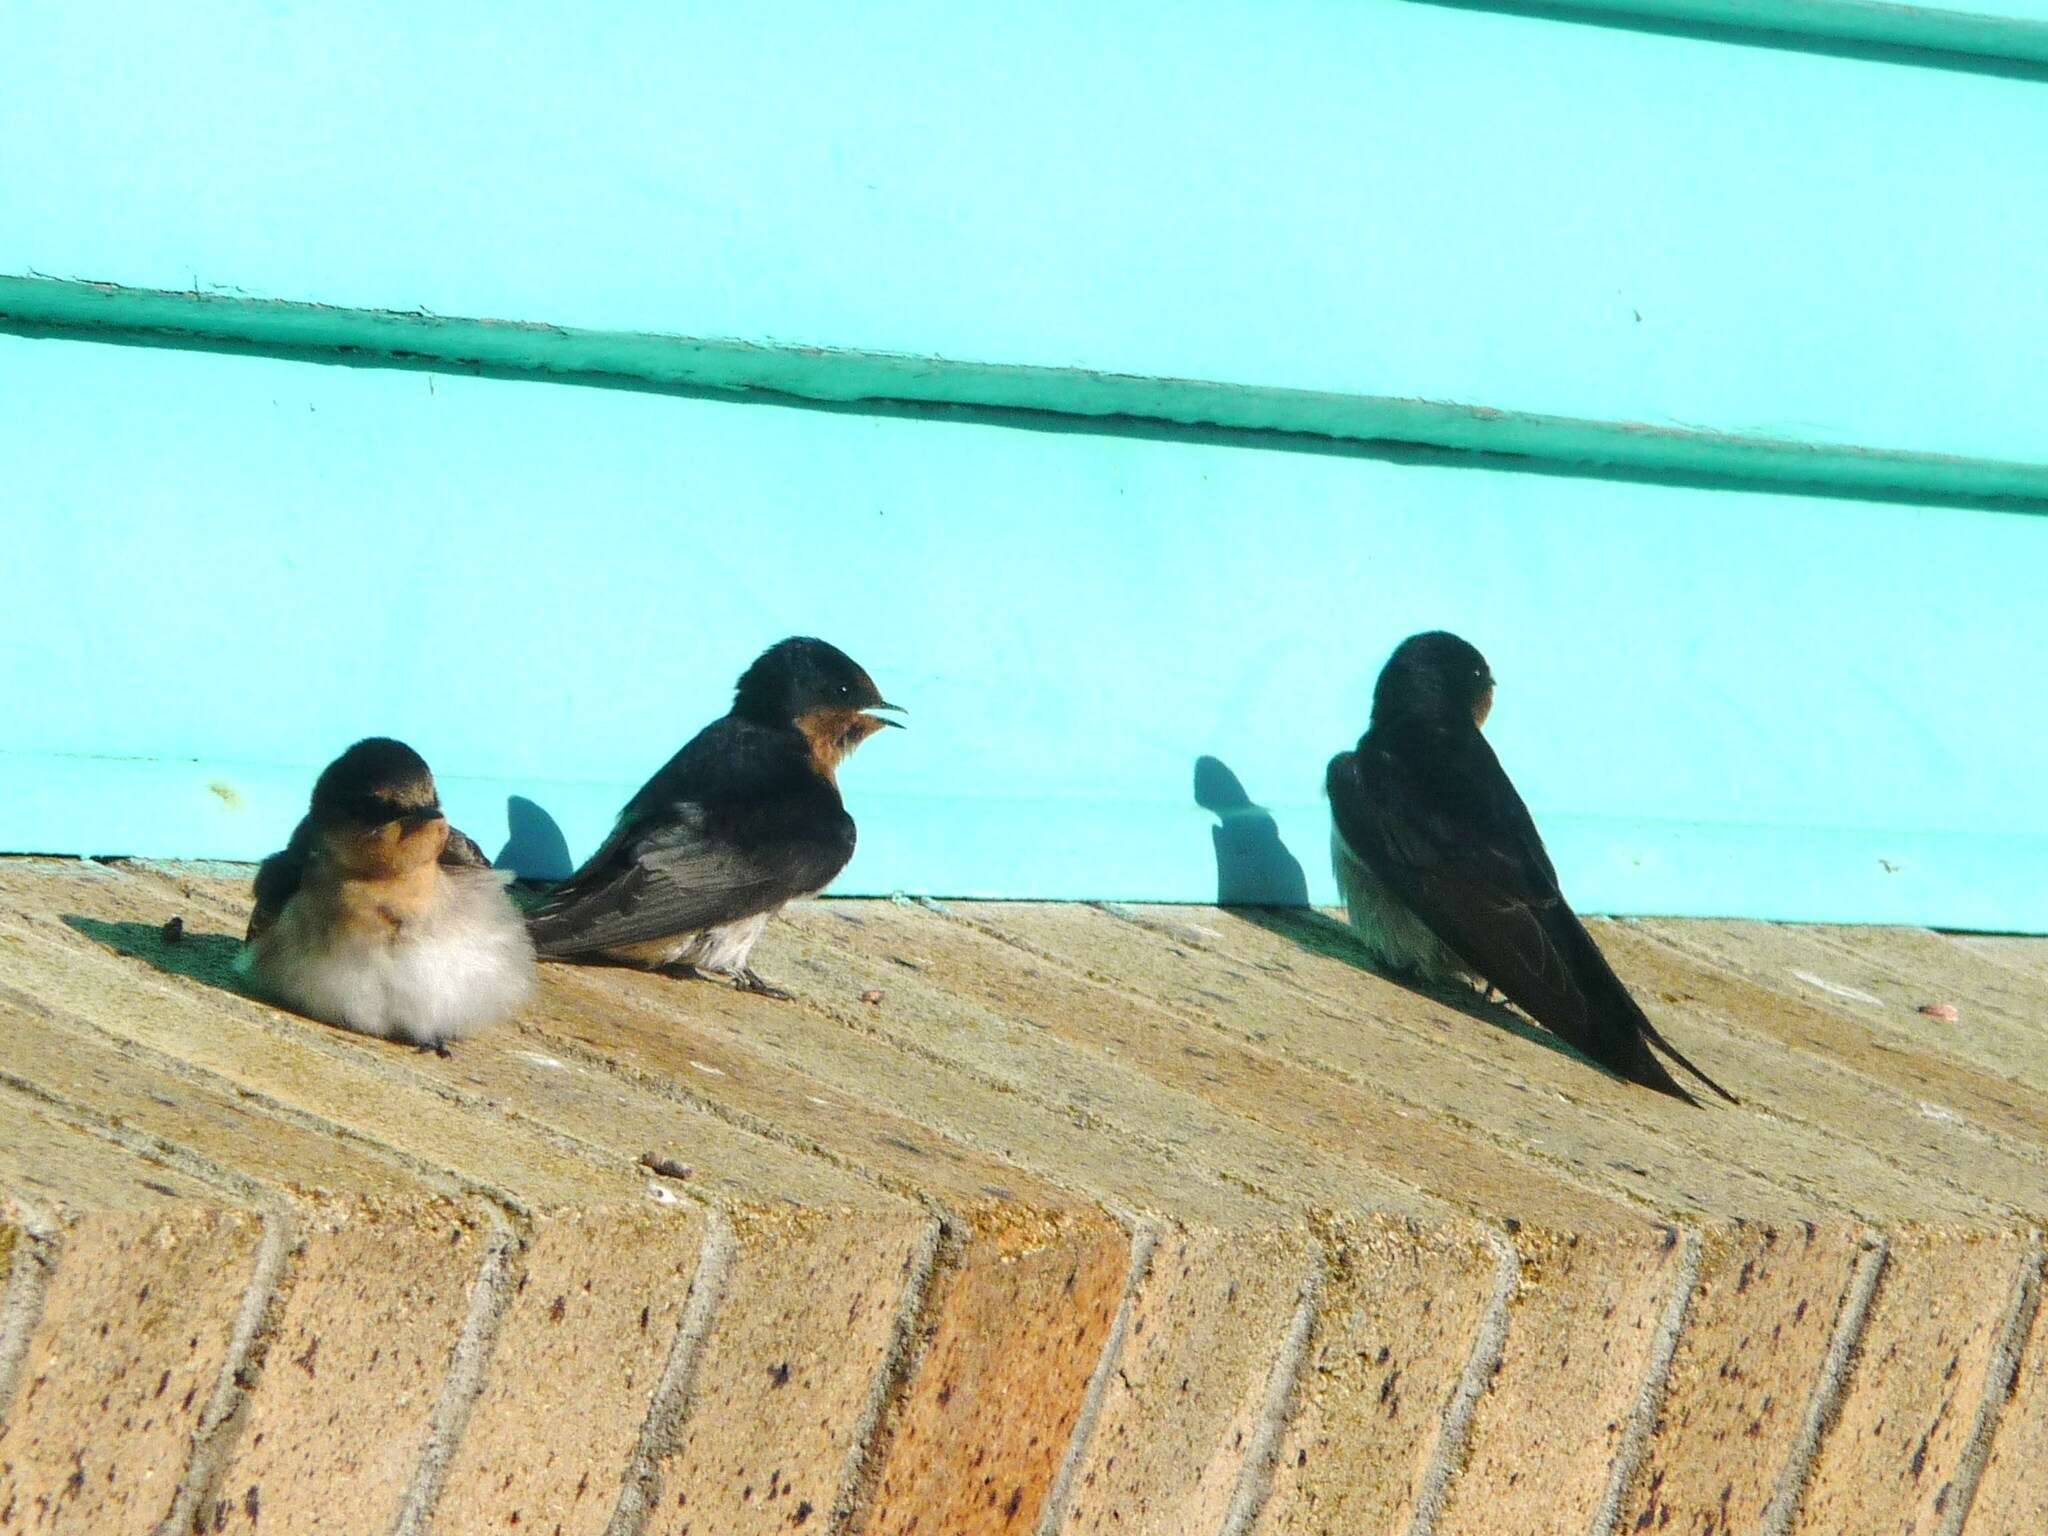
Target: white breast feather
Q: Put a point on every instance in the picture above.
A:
(462, 965)
(1399, 941)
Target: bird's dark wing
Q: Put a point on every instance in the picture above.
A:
(682, 873)
(735, 824)
(277, 879)
(1440, 823)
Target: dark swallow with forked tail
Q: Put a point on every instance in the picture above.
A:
(1446, 879)
(743, 820)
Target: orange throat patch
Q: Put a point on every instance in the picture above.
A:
(833, 734)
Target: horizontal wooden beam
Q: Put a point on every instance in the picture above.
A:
(1082, 399)
(1861, 23)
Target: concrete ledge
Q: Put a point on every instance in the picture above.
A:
(1150, 1220)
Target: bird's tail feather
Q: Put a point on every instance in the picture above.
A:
(1650, 1033)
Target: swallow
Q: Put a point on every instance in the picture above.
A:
(1445, 878)
(380, 917)
(743, 820)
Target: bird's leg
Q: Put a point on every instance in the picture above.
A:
(748, 980)
(438, 1047)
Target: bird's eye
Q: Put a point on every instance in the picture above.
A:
(845, 690)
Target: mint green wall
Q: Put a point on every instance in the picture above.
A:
(1717, 698)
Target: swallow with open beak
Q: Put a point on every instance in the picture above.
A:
(742, 821)
(1445, 878)
(380, 917)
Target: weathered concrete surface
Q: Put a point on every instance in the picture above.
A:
(1048, 1219)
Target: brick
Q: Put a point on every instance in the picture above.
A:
(1996, 1034)
(609, 1110)
(1747, 1364)
(1334, 1126)
(1515, 1082)
(985, 1421)
(800, 1343)
(1192, 1043)
(161, 1098)
(136, 1322)
(1545, 1434)
(1398, 1321)
(337, 1424)
(708, 1052)
(1889, 1463)
(1905, 1056)
(372, 1086)
(2013, 1495)
(1182, 1407)
(580, 1350)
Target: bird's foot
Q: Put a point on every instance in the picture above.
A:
(438, 1047)
(747, 980)
(680, 970)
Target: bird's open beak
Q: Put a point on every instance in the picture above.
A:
(896, 707)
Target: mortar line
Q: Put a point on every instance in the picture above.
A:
(1625, 1199)
(96, 1123)
(741, 1120)
(1998, 1381)
(37, 1249)
(1255, 1472)
(1844, 1348)
(438, 1179)
(256, 1010)
(263, 1016)
(1771, 1113)
(938, 1253)
(490, 1296)
(220, 1422)
(443, 1179)
(1100, 1125)
(1052, 1515)
(1454, 1437)
(1642, 1420)
(669, 1406)
(1904, 1042)
(1012, 1087)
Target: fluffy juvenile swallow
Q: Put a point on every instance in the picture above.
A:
(380, 917)
(1445, 877)
(742, 821)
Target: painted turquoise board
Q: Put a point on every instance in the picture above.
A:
(1391, 199)
(1715, 702)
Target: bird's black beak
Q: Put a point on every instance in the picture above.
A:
(898, 708)
(412, 821)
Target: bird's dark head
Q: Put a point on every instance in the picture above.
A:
(819, 689)
(377, 808)
(1434, 676)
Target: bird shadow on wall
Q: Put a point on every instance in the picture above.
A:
(1263, 882)
(1253, 867)
(536, 848)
